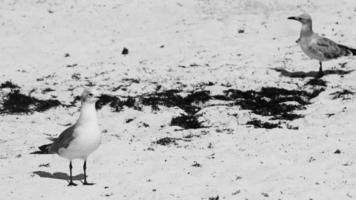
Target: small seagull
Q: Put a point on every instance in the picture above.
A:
(79, 140)
(317, 47)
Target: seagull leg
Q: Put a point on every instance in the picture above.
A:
(85, 174)
(320, 69)
(70, 175)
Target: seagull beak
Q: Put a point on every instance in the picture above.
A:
(292, 18)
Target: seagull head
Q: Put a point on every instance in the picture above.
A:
(89, 95)
(303, 18)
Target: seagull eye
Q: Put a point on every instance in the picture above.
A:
(90, 94)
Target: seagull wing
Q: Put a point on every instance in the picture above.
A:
(327, 48)
(63, 140)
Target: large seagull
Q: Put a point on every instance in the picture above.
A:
(317, 47)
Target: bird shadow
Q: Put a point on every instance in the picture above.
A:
(58, 175)
(314, 74)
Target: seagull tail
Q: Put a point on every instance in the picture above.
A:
(348, 50)
(44, 149)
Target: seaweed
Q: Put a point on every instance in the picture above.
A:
(166, 141)
(186, 122)
(343, 94)
(260, 124)
(15, 102)
(9, 84)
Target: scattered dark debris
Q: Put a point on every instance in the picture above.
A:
(166, 141)
(50, 11)
(236, 192)
(259, 124)
(129, 120)
(44, 165)
(47, 90)
(264, 194)
(344, 94)
(343, 65)
(106, 187)
(211, 156)
(109, 194)
(66, 55)
(15, 102)
(330, 114)
(241, 31)
(311, 159)
(186, 122)
(214, 198)
(125, 51)
(337, 151)
(144, 124)
(316, 82)
(72, 65)
(162, 46)
(196, 164)
(131, 80)
(288, 126)
(210, 145)
(150, 149)
(118, 88)
(46, 77)
(76, 76)
(9, 84)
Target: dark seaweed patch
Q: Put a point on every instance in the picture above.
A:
(186, 122)
(166, 141)
(104, 100)
(171, 98)
(277, 103)
(260, 124)
(168, 98)
(271, 101)
(47, 90)
(316, 82)
(115, 102)
(214, 198)
(9, 84)
(15, 102)
(343, 94)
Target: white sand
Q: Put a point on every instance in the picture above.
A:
(239, 163)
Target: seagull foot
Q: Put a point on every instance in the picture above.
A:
(320, 74)
(86, 183)
(72, 184)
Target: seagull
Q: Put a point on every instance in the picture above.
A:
(317, 47)
(79, 140)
